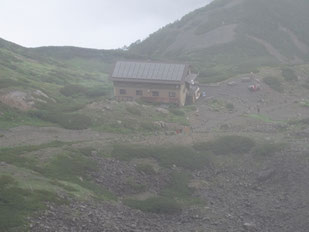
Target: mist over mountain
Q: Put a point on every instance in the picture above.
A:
(231, 37)
(74, 158)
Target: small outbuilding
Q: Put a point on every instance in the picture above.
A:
(155, 82)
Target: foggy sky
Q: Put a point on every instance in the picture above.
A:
(102, 24)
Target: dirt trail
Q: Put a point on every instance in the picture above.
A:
(30, 135)
(267, 103)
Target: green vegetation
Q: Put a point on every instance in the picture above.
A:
(181, 156)
(66, 120)
(160, 205)
(261, 117)
(305, 121)
(289, 74)
(177, 187)
(176, 194)
(217, 105)
(75, 168)
(17, 203)
(267, 148)
(15, 155)
(177, 111)
(231, 144)
(78, 90)
(257, 23)
(70, 167)
(171, 199)
(305, 104)
(146, 168)
(239, 145)
(274, 83)
(230, 106)
(134, 110)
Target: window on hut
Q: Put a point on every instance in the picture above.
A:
(172, 94)
(155, 93)
(139, 92)
(122, 91)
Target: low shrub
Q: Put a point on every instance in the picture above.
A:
(63, 107)
(149, 126)
(177, 111)
(6, 83)
(230, 106)
(16, 203)
(178, 186)
(75, 168)
(72, 90)
(97, 91)
(135, 186)
(305, 121)
(159, 205)
(274, 83)
(267, 148)
(181, 156)
(231, 144)
(134, 110)
(15, 156)
(289, 74)
(65, 120)
(145, 168)
(77, 90)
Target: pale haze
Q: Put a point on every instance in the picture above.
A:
(99, 24)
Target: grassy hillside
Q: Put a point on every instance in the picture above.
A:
(69, 87)
(227, 38)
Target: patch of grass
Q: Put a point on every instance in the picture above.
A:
(180, 156)
(305, 121)
(134, 110)
(66, 187)
(305, 104)
(75, 168)
(72, 90)
(136, 187)
(159, 205)
(231, 144)
(274, 83)
(6, 83)
(289, 74)
(178, 186)
(267, 148)
(230, 106)
(145, 168)
(14, 155)
(149, 126)
(217, 105)
(63, 106)
(17, 203)
(171, 199)
(65, 120)
(11, 117)
(260, 117)
(177, 111)
(86, 151)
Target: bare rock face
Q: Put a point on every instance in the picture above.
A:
(24, 100)
(18, 99)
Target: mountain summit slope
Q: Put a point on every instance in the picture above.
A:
(231, 37)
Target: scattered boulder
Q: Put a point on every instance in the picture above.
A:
(24, 100)
(162, 110)
(248, 226)
(18, 99)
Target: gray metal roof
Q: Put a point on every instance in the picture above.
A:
(149, 71)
